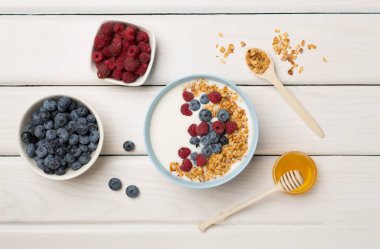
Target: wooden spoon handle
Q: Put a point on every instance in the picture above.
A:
(298, 108)
(224, 215)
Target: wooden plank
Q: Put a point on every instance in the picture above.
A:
(347, 193)
(187, 237)
(346, 114)
(60, 53)
(197, 6)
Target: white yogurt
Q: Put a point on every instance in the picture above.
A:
(168, 129)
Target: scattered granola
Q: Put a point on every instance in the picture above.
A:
(324, 59)
(220, 35)
(300, 70)
(257, 60)
(242, 44)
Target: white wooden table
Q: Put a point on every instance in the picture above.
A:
(49, 53)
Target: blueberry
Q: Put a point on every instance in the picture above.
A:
(28, 138)
(195, 105)
(49, 105)
(60, 171)
(64, 103)
(41, 152)
(82, 129)
(53, 145)
(205, 140)
(82, 121)
(48, 171)
(132, 191)
(53, 114)
(204, 99)
(60, 119)
(60, 152)
(69, 158)
(92, 127)
(40, 164)
(36, 119)
(82, 111)
(91, 118)
(51, 134)
(92, 146)
(49, 124)
(205, 115)
(43, 143)
(76, 165)
(74, 139)
(30, 150)
(52, 162)
(45, 116)
(29, 127)
(84, 147)
(60, 131)
(223, 115)
(64, 137)
(216, 148)
(84, 140)
(128, 146)
(72, 126)
(94, 136)
(193, 156)
(39, 131)
(72, 106)
(84, 158)
(224, 140)
(74, 115)
(214, 137)
(76, 151)
(195, 141)
(206, 151)
(114, 184)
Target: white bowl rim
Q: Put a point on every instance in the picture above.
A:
(33, 165)
(152, 42)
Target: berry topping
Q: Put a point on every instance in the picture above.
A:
(142, 69)
(215, 97)
(129, 77)
(218, 127)
(205, 115)
(192, 130)
(205, 140)
(231, 126)
(186, 165)
(144, 58)
(216, 148)
(201, 160)
(103, 71)
(214, 137)
(193, 156)
(187, 96)
(132, 191)
(204, 99)
(223, 115)
(128, 145)
(224, 140)
(202, 129)
(131, 64)
(194, 141)
(97, 56)
(195, 105)
(185, 110)
(184, 152)
(114, 184)
(142, 36)
(206, 151)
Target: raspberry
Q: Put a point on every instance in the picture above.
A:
(184, 152)
(120, 63)
(117, 74)
(202, 128)
(115, 49)
(187, 96)
(97, 56)
(142, 36)
(185, 110)
(98, 64)
(129, 34)
(186, 165)
(106, 52)
(133, 51)
(119, 28)
(129, 77)
(218, 127)
(215, 97)
(118, 40)
(142, 69)
(145, 47)
(103, 71)
(144, 58)
(127, 44)
(201, 160)
(192, 130)
(231, 126)
(107, 28)
(100, 42)
(131, 65)
(110, 63)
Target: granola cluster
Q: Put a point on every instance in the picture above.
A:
(257, 60)
(219, 164)
(227, 51)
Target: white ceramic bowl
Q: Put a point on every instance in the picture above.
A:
(69, 172)
(140, 80)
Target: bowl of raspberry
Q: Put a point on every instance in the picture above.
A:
(123, 53)
(201, 131)
(60, 136)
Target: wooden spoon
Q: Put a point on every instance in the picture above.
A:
(289, 182)
(270, 75)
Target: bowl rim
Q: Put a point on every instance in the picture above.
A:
(33, 165)
(152, 42)
(218, 181)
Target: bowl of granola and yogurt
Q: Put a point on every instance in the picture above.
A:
(201, 131)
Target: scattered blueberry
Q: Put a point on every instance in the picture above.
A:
(128, 146)
(195, 141)
(206, 151)
(132, 191)
(223, 115)
(205, 115)
(224, 140)
(195, 105)
(204, 99)
(114, 184)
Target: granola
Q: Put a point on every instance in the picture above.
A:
(257, 60)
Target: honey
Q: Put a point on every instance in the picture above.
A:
(295, 160)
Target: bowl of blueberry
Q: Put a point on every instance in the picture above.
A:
(60, 136)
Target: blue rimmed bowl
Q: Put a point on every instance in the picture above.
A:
(253, 138)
